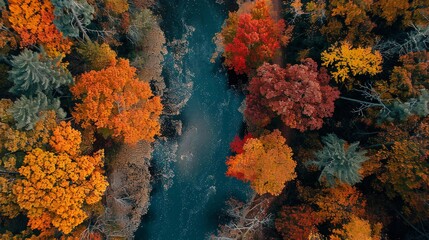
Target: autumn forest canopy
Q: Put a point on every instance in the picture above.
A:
(335, 136)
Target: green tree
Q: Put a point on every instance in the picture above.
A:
(27, 111)
(33, 72)
(339, 161)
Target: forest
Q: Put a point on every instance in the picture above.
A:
(334, 137)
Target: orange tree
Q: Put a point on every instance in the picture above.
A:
(33, 21)
(358, 229)
(251, 39)
(266, 162)
(113, 99)
(56, 185)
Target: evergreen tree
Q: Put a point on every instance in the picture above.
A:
(33, 72)
(27, 111)
(400, 111)
(339, 161)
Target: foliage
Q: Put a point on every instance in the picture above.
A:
(33, 21)
(299, 94)
(402, 10)
(407, 79)
(65, 139)
(357, 229)
(297, 222)
(97, 56)
(14, 141)
(117, 6)
(7, 37)
(114, 99)
(336, 205)
(141, 23)
(70, 15)
(127, 197)
(28, 111)
(266, 162)
(149, 40)
(348, 62)
(55, 186)
(237, 144)
(339, 161)
(32, 73)
(405, 169)
(251, 39)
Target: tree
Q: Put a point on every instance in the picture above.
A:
(348, 62)
(251, 39)
(357, 229)
(65, 139)
(55, 187)
(339, 161)
(297, 222)
(349, 20)
(33, 72)
(405, 11)
(116, 6)
(149, 40)
(114, 99)
(72, 16)
(266, 162)
(33, 21)
(248, 219)
(299, 94)
(335, 205)
(97, 56)
(28, 111)
(237, 144)
(128, 195)
(405, 169)
(407, 79)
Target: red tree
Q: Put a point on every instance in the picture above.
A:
(299, 94)
(237, 144)
(251, 39)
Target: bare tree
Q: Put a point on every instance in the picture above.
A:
(248, 219)
(417, 40)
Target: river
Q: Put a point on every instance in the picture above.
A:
(191, 205)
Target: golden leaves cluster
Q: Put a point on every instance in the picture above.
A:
(348, 62)
(266, 162)
(55, 186)
(115, 99)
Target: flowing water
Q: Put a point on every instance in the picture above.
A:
(191, 187)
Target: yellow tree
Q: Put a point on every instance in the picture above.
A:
(113, 99)
(13, 144)
(55, 186)
(347, 62)
(97, 56)
(266, 162)
(357, 229)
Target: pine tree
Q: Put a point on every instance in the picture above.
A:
(28, 111)
(33, 72)
(339, 161)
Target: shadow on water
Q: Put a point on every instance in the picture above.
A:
(192, 207)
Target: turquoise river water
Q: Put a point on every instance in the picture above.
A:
(191, 206)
